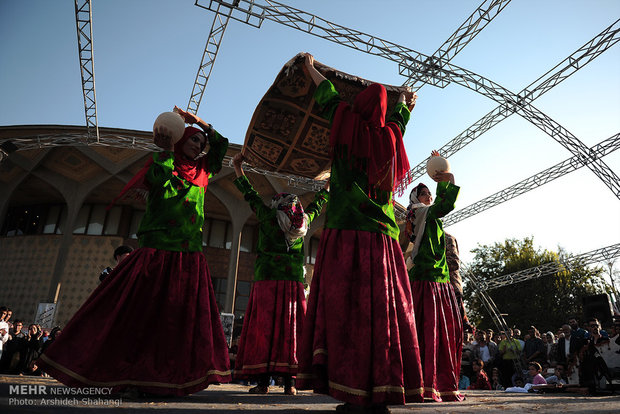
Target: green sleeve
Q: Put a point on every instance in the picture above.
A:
(216, 153)
(161, 169)
(314, 209)
(400, 116)
(445, 199)
(251, 196)
(328, 99)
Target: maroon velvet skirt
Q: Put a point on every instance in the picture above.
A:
(359, 341)
(271, 327)
(440, 329)
(152, 324)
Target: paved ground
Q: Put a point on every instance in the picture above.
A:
(36, 397)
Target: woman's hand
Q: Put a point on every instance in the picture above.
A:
(316, 76)
(237, 164)
(162, 138)
(188, 117)
(443, 176)
(408, 98)
(326, 186)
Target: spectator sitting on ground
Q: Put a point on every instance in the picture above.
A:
(463, 380)
(558, 376)
(481, 380)
(534, 371)
(496, 383)
(467, 355)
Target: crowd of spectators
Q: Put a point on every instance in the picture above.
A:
(589, 358)
(19, 347)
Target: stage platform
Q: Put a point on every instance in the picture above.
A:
(45, 395)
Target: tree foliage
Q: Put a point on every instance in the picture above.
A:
(545, 302)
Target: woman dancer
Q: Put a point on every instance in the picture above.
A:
(437, 311)
(359, 342)
(152, 325)
(277, 306)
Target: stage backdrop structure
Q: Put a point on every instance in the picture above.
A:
(287, 133)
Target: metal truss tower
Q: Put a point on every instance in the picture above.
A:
(83, 19)
(218, 27)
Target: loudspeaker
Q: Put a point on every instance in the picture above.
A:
(599, 307)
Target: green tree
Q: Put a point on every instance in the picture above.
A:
(545, 302)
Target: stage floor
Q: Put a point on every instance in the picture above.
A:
(42, 395)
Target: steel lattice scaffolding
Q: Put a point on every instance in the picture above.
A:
(83, 19)
(478, 20)
(218, 27)
(415, 65)
(595, 256)
(577, 60)
(559, 170)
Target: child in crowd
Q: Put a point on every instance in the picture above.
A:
(480, 380)
(534, 372)
(495, 380)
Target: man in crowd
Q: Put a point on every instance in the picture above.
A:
(486, 350)
(578, 332)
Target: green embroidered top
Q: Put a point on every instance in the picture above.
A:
(350, 207)
(175, 207)
(430, 262)
(273, 261)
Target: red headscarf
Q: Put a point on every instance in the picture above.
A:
(361, 128)
(195, 171)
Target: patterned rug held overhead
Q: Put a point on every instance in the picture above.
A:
(286, 133)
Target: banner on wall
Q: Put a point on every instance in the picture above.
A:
(45, 315)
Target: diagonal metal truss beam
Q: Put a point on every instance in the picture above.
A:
(417, 66)
(482, 16)
(600, 150)
(218, 27)
(595, 256)
(83, 19)
(577, 60)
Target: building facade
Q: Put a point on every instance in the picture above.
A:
(57, 234)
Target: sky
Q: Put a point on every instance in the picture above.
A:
(147, 53)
